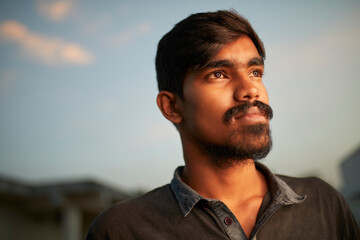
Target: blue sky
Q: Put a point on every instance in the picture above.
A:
(78, 87)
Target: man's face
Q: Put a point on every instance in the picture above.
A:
(233, 77)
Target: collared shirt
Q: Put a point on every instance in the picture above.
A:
(282, 194)
(175, 211)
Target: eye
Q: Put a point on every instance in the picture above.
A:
(216, 75)
(257, 73)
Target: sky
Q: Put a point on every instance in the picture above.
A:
(78, 88)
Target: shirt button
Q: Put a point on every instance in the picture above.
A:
(228, 221)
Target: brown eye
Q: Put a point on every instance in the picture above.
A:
(257, 73)
(218, 74)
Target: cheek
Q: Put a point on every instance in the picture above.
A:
(264, 95)
(205, 111)
(202, 108)
(207, 100)
(205, 108)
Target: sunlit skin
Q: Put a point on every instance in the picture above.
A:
(232, 76)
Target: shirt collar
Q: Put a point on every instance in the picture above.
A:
(185, 195)
(280, 191)
(188, 197)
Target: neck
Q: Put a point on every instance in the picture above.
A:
(238, 183)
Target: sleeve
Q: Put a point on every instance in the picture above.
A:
(349, 225)
(96, 233)
(90, 236)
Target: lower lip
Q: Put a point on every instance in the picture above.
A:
(252, 118)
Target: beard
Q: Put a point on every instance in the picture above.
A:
(252, 142)
(255, 144)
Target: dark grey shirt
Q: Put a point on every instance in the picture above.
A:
(294, 208)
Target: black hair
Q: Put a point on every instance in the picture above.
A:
(192, 43)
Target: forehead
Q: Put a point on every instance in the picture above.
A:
(238, 52)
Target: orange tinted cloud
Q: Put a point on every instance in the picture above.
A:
(54, 10)
(47, 50)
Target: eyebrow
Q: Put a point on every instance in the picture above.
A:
(256, 61)
(219, 64)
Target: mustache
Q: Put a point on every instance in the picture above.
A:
(265, 109)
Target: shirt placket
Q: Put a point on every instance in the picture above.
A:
(228, 221)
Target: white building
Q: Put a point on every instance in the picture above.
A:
(61, 211)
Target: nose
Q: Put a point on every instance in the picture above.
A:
(246, 90)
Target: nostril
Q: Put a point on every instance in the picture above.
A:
(246, 90)
(247, 97)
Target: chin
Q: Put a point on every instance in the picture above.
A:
(253, 142)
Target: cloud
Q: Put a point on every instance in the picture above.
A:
(51, 51)
(125, 37)
(54, 10)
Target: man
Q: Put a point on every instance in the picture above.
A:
(209, 71)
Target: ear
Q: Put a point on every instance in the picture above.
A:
(168, 105)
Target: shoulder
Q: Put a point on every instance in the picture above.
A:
(123, 216)
(323, 214)
(317, 191)
(323, 204)
(147, 203)
(311, 187)
(306, 183)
